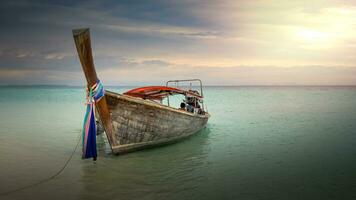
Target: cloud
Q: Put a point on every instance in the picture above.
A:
(234, 75)
(58, 56)
(40, 77)
(212, 39)
(155, 63)
(153, 72)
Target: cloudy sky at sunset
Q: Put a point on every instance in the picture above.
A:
(237, 42)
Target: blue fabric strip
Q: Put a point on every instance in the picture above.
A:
(95, 94)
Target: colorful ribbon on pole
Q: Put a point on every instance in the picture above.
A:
(95, 93)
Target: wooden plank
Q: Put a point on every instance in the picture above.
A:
(140, 124)
(83, 44)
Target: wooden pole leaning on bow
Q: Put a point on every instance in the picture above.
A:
(83, 44)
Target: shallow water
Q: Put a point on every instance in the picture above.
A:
(260, 143)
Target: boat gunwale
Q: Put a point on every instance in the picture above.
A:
(153, 104)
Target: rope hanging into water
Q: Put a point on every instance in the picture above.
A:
(48, 178)
(88, 136)
(95, 93)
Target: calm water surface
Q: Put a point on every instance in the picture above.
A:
(260, 143)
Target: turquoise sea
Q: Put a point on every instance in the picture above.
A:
(260, 143)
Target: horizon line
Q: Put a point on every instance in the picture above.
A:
(242, 85)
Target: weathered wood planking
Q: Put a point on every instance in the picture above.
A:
(131, 123)
(141, 123)
(83, 45)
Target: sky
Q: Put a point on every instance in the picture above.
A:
(222, 42)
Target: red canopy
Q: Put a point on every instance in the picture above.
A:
(158, 92)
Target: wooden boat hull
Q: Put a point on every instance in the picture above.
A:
(132, 123)
(139, 123)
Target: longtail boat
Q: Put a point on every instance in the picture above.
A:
(138, 119)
